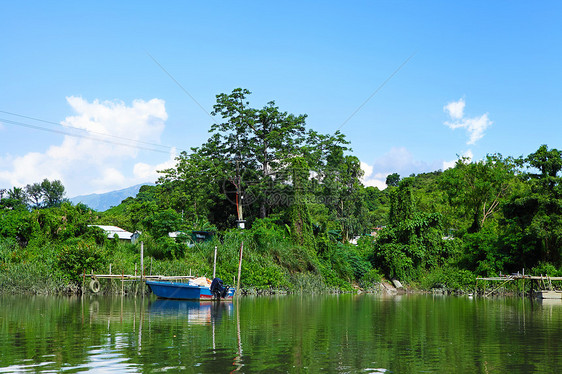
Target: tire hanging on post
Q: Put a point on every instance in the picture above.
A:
(95, 285)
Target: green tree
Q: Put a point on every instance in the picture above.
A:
(534, 212)
(476, 189)
(15, 222)
(260, 140)
(377, 203)
(392, 180)
(198, 187)
(35, 193)
(18, 194)
(335, 180)
(412, 242)
(53, 192)
(163, 222)
(345, 194)
(299, 216)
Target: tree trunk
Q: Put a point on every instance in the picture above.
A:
(263, 207)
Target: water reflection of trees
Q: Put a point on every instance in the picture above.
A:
(335, 333)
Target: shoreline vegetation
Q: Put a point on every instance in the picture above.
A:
(310, 223)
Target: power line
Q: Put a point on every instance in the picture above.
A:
(80, 129)
(16, 123)
(377, 90)
(180, 86)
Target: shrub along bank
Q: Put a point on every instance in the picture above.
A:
(271, 261)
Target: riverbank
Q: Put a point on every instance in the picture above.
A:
(275, 266)
(34, 279)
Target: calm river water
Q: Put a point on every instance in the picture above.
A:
(337, 334)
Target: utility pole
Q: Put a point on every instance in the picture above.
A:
(240, 221)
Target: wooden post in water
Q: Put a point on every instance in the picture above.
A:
(142, 268)
(83, 280)
(142, 261)
(215, 264)
(523, 291)
(239, 270)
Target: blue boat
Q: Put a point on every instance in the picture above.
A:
(192, 290)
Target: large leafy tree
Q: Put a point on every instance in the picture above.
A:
(35, 193)
(345, 194)
(248, 162)
(377, 203)
(476, 189)
(53, 192)
(412, 242)
(261, 141)
(18, 194)
(534, 213)
(476, 192)
(392, 180)
(336, 182)
(195, 187)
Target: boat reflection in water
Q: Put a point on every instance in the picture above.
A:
(196, 312)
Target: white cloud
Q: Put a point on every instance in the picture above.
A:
(475, 126)
(455, 109)
(396, 160)
(367, 169)
(377, 180)
(100, 159)
(110, 176)
(368, 179)
(145, 171)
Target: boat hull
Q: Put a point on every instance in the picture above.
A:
(183, 291)
(546, 294)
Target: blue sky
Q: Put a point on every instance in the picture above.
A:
(481, 77)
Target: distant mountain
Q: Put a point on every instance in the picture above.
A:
(104, 201)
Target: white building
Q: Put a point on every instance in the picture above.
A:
(111, 231)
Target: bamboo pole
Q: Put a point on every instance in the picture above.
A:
(239, 270)
(142, 261)
(142, 268)
(215, 263)
(497, 288)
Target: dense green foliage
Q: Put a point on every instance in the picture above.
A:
(301, 197)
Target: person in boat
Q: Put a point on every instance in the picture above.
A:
(218, 289)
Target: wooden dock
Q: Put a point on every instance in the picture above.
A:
(541, 285)
(139, 277)
(95, 286)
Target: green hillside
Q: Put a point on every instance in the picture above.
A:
(308, 217)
